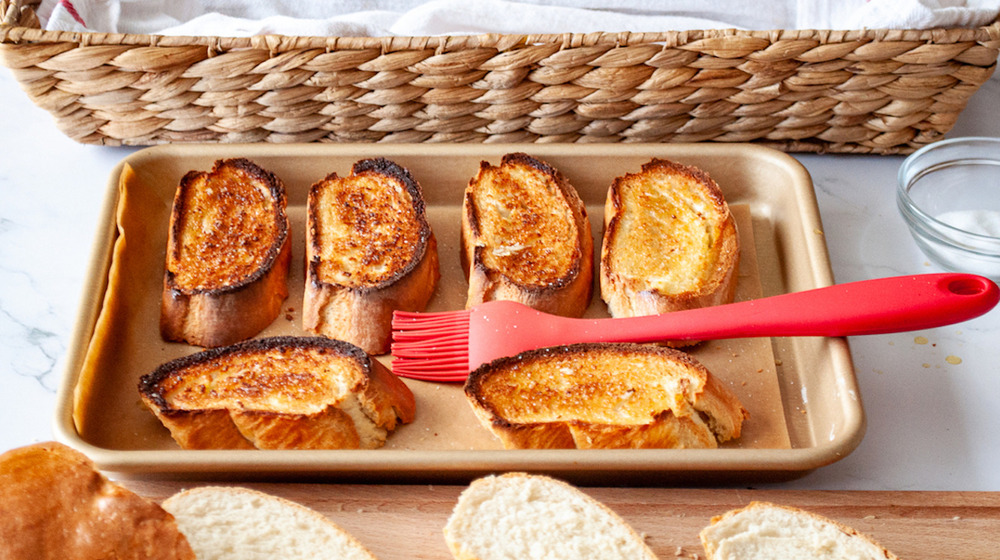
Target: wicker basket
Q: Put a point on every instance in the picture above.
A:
(865, 91)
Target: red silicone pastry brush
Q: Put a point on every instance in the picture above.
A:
(447, 346)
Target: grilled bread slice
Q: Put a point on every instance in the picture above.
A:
(766, 531)
(233, 523)
(57, 505)
(228, 254)
(370, 251)
(526, 237)
(278, 393)
(518, 515)
(603, 395)
(670, 242)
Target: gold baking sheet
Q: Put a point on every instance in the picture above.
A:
(801, 393)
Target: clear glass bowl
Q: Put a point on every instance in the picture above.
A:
(949, 195)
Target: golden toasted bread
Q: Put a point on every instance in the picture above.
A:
(370, 251)
(57, 505)
(278, 393)
(766, 531)
(228, 254)
(599, 395)
(526, 237)
(670, 242)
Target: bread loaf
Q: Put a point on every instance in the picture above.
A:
(278, 393)
(56, 505)
(228, 255)
(765, 531)
(517, 515)
(369, 251)
(670, 242)
(598, 395)
(232, 523)
(526, 237)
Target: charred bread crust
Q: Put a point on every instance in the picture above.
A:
(386, 399)
(225, 310)
(632, 295)
(713, 416)
(566, 294)
(361, 312)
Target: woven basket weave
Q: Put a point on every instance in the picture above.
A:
(864, 91)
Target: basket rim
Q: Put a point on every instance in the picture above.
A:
(18, 17)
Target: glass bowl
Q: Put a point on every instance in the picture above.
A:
(949, 195)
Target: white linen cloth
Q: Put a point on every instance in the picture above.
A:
(374, 18)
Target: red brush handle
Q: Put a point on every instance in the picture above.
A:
(897, 304)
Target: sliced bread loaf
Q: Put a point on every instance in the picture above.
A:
(766, 531)
(232, 523)
(526, 237)
(598, 395)
(278, 393)
(369, 251)
(228, 255)
(516, 516)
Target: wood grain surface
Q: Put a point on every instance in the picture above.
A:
(403, 521)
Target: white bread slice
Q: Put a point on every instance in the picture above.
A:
(228, 255)
(602, 395)
(278, 393)
(232, 523)
(766, 531)
(670, 242)
(517, 515)
(56, 505)
(526, 237)
(369, 251)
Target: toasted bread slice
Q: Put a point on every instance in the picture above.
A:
(57, 505)
(233, 523)
(526, 237)
(766, 531)
(603, 395)
(370, 251)
(228, 254)
(518, 515)
(278, 393)
(670, 242)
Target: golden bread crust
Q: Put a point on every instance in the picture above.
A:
(526, 237)
(278, 393)
(670, 242)
(603, 395)
(369, 251)
(57, 505)
(228, 255)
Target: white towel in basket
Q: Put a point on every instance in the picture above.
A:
(327, 18)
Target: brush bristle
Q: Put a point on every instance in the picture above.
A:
(431, 346)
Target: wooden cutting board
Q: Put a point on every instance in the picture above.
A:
(400, 521)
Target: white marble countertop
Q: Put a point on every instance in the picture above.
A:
(932, 424)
